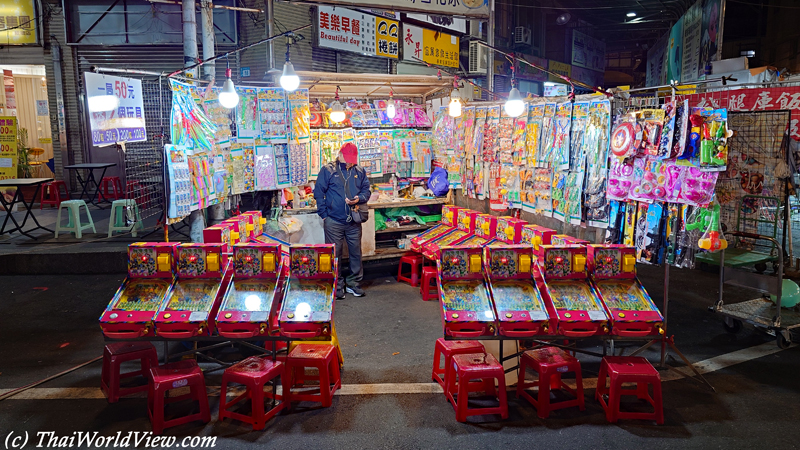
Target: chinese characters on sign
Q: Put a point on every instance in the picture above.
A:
(116, 111)
(8, 148)
(18, 22)
(429, 46)
(354, 31)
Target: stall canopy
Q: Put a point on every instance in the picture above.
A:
(324, 84)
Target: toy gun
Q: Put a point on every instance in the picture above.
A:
(694, 137)
(713, 239)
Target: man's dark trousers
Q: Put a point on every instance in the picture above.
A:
(339, 233)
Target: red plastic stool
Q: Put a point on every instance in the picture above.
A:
(550, 363)
(133, 189)
(51, 194)
(448, 349)
(476, 366)
(324, 358)
(415, 261)
(253, 373)
(118, 353)
(111, 188)
(629, 369)
(429, 274)
(173, 376)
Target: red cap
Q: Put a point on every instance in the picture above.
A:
(350, 153)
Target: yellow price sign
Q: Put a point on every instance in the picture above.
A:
(18, 20)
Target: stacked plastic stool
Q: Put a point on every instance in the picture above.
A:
(111, 188)
(321, 357)
(117, 221)
(117, 353)
(629, 369)
(429, 274)
(550, 363)
(173, 376)
(445, 349)
(254, 374)
(74, 224)
(414, 260)
(484, 368)
(51, 193)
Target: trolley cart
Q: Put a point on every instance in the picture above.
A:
(760, 312)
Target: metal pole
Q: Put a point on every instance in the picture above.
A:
(58, 81)
(490, 41)
(207, 26)
(270, 32)
(189, 34)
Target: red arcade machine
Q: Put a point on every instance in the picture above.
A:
(240, 226)
(509, 230)
(151, 272)
(485, 229)
(465, 230)
(448, 224)
(569, 295)
(467, 311)
(191, 306)
(252, 301)
(536, 236)
(307, 310)
(561, 240)
(613, 272)
(221, 233)
(520, 310)
(256, 223)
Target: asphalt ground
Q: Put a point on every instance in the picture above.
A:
(49, 324)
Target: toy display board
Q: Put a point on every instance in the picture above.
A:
(519, 308)
(467, 311)
(191, 306)
(509, 230)
(448, 223)
(308, 304)
(595, 148)
(151, 272)
(248, 122)
(569, 295)
(299, 116)
(536, 236)
(547, 139)
(370, 155)
(561, 136)
(180, 182)
(612, 269)
(252, 300)
(264, 169)
(272, 114)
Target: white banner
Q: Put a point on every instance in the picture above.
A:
(116, 111)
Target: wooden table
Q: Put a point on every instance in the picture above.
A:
(19, 198)
(90, 179)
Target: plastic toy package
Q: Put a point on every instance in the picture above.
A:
(519, 139)
(541, 184)
(595, 147)
(623, 136)
(533, 133)
(620, 179)
(577, 153)
(714, 140)
(668, 131)
(490, 131)
(651, 121)
(547, 138)
(561, 135)
(505, 136)
(696, 186)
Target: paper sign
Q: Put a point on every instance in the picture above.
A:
(116, 111)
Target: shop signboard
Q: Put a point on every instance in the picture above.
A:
(591, 77)
(674, 53)
(690, 58)
(17, 22)
(555, 89)
(8, 148)
(655, 62)
(450, 23)
(559, 68)
(711, 33)
(465, 8)
(588, 52)
(116, 110)
(355, 31)
(429, 46)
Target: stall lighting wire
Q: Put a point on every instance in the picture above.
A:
(454, 74)
(51, 377)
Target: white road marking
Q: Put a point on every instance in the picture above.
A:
(709, 365)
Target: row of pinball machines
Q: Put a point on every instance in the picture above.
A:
(500, 276)
(239, 284)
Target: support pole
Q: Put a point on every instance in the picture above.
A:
(270, 32)
(189, 34)
(207, 27)
(490, 41)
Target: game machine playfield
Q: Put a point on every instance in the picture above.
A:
(448, 224)
(509, 231)
(191, 306)
(569, 295)
(519, 307)
(251, 303)
(467, 310)
(465, 230)
(307, 310)
(151, 272)
(612, 269)
(485, 229)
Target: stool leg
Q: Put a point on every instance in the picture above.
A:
(325, 385)
(112, 220)
(76, 221)
(543, 402)
(521, 379)
(89, 215)
(257, 400)
(658, 404)
(501, 388)
(462, 402)
(601, 383)
(613, 401)
(157, 418)
(58, 221)
(202, 397)
(579, 389)
(436, 362)
(415, 275)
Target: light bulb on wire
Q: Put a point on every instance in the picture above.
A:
(454, 109)
(228, 97)
(336, 113)
(514, 106)
(289, 79)
(390, 108)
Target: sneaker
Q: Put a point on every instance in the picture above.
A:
(355, 290)
(339, 294)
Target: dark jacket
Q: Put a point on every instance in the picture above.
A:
(329, 190)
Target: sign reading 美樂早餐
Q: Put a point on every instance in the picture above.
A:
(116, 109)
(433, 47)
(355, 31)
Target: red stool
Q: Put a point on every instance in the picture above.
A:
(415, 261)
(118, 353)
(111, 188)
(629, 369)
(476, 366)
(324, 358)
(448, 349)
(550, 363)
(429, 274)
(253, 373)
(133, 189)
(51, 194)
(173, 376)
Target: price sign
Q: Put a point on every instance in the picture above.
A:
(8, 148)
(116, 109)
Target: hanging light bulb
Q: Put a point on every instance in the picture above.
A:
(289, 79)
(337, 111)
(454, 109)
(390, 109)
(228, 97)
(514, 106)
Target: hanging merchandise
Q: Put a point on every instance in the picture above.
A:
(218, 114)
(298, 163)
(595, 146)
(348, 135)
(314, 155)
(370, 156)
(496, 199)
(713, 239)
(543, 177)
(547, 139)
(248, 159)
(272, 114)
(423, 154)
(420, 116)
(580, 118)
(299, 116)
(190, 127)
(510, 185)
(651, 121)
(641, 188)
(200, 172)
(681, 133)
(356, 115)
(468, 123)
(380, 110)
(315, 120)
(282, 166)
(481, 114)
(691, 151)
(330, 141)
(221, 161)
(558, 194)
(561, 140)
(714, 140)
(180, 182)
(629, 227)
(519, 147)
(668, 130)
(505, 136)
(620, 179)
(527, 180)
(387, 150)
(490, 133)
(616, 222)
(265, 168)
(248, 123)
(404, 142)
(622, 138)
(650, 249)
(697, 187)
(533, 133)
(640, 226)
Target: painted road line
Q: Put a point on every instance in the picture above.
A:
(706, 366)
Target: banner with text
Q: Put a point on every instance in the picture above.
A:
(17, 22)
(8, 148)
(354, 31)
(430, 46)
(116, 111)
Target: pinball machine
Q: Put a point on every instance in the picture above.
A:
(518, 305)
(448, 224)
(467, 310)
(151, 272)
(308, 304)
(612, 268)
(240, 226)
(465, 229)
(191, 306)
(256, 223)
(221, 233)
(485, 229)
(568, 293)
(509, 230)
(252, 300)
(536, 236)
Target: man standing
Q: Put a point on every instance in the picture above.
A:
(341, 185)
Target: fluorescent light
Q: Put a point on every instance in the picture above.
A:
(631, 14)
(549, 83)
